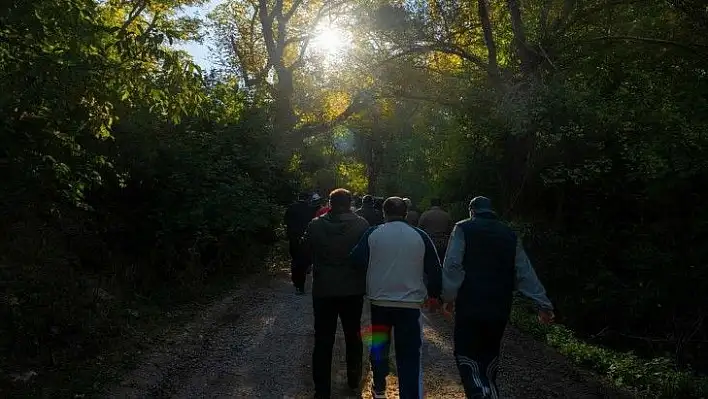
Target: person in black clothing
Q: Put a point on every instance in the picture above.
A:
(378, 203)
(297, 217)
(338, 289)
(368, 212)
(485, 262)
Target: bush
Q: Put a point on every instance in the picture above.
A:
(656, 378)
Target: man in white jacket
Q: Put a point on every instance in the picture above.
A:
(403, 271)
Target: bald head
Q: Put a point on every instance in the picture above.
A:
(394, 208)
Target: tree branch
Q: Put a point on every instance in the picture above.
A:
(133, 14)
(360, 101)
(292, 10)
(417, 97)
(517, 27)
(483, 11)
(328, 6)
(443, 48)
(267, 28)
(650, 40)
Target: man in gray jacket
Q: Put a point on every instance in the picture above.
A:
(484, 264)
(337, 289)
(399, 258)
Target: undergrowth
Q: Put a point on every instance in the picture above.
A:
(649, 378)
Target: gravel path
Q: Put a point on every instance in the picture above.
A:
(257, 341)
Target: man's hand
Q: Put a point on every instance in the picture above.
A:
(448, 309)
(433, 304)
(546, 316)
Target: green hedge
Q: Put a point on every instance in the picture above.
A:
(650, 378)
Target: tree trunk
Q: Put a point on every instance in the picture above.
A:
(483, 11)
(517, 28)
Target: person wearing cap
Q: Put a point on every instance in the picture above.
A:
(485, 262)
(320, 205)
(297, 217)
(438, 224)
(338, 289)
(403, 270)
(413, 216)
(369, 212)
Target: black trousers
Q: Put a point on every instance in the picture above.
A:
(299, 262)
(327, 309)
(477, 345)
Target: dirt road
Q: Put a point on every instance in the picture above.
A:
(256, 343)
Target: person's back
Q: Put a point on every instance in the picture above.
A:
(369, 212)
(338, 289)
(403, 269)
(489, 259)
(484, 263)
(395, 275)
(332, 236)
(438, 224)
(297, 217)
(412, 216)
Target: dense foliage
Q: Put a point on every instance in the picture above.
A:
(126, 173)
(127, 170)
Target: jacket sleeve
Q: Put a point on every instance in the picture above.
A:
(287, 216)
(306, 239)
(527, 281)
(360, 254)
(422, 220)
(453, 273)
(431, 267)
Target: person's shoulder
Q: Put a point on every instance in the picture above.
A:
(360, 221)
(463, 221)
(420, 232)
(317, 221)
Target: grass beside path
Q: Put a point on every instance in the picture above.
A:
(152, 321)
(648, 378)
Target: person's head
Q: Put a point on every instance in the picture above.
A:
(315, 199)
(340, 200)
(435, 202)
(408, 202)
(394, 208)
(368, 200)
(481, 205)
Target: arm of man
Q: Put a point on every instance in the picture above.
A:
(530, 286)
(431, 267)
(287, 217)
(360, 254)
(453, 272)
(306, 239)
(423, 220)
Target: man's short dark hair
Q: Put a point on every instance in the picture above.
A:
(395, 207)
(435, 202)
(340, 200)
(368, 199)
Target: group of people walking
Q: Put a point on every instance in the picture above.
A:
(393, 257)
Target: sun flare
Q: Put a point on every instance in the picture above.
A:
(331, 43)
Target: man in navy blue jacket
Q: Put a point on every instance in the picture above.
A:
(484, 264)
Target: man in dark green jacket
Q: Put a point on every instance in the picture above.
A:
(338, 289)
